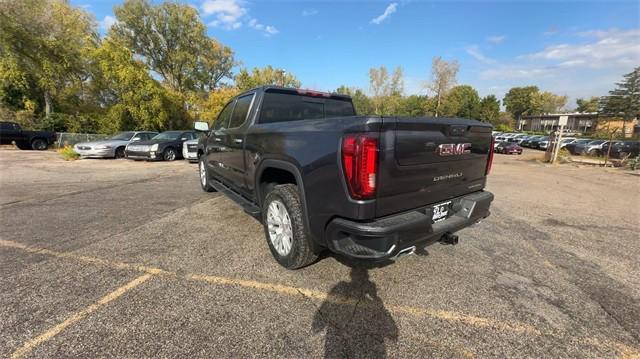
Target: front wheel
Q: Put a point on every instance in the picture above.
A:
(119, 152)
(39, 144)
(282, 216)
(169, 154)
(204, 177)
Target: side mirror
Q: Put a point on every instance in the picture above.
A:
(201, 126)
(183, 139)
(136, 139)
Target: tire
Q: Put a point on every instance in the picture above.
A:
(593, 153)
(169, 154)
(204, 177)
(284, 201)
(119, 152)
(39, 144)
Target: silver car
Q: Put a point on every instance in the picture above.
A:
(190, 150)
(112, 147)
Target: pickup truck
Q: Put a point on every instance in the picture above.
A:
(319, 177)
(25, 140)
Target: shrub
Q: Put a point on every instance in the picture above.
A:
(68, 153)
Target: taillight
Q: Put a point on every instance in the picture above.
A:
(360, 165)
(490, 160)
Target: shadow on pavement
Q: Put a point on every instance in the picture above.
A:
(356, 322)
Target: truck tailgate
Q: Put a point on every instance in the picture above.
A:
(429, 160)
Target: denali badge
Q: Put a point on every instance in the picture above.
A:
(453, 149)
(447, 177)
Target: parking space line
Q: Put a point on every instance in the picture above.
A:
(449, 316)
(52, 332)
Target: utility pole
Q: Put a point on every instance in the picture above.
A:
(562, 121)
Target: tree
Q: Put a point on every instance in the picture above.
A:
(216, 101)
(489, 110)
(134, 99)
(587, 105)
(413, 106)
(443, 78)
(547, 102)
(46, 42)
(387, 89)
(624, 100)
(246, 80)
(361, 101)
(522, 101)
(461, 101)
(171, 39)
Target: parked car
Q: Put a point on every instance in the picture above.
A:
(535, 143)
(527, 142)
(166, 146)
(592, 148)
(317, 176)
(571, 147)
(112, 147)
(565, 141)
(11, 132)
(190, 151)
(509, 148)
(516, 138)
(626, 149)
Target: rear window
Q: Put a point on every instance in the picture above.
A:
(279, 107)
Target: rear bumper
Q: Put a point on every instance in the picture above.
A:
(385, 237)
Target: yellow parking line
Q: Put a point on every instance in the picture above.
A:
(31, 344)
(450, 316)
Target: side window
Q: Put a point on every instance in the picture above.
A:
(223, 119)
(241, 110)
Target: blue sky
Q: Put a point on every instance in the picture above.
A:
(572, 48)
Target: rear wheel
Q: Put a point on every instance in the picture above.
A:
(169, 154)
(39, 144)
(120, 152)
(282, 216)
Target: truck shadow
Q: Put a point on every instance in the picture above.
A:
(355, 320)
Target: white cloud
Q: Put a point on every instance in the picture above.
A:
(106, 23)
(228, 13)
(496, 39)
(474, 52)
(387, 12)
(309, 12)
(267, 29)
(232, 15)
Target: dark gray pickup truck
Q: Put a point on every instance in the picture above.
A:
(317, 176)
(11, 132)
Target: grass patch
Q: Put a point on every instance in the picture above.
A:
(68, 153)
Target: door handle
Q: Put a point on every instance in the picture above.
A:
(238, 140)
(217, 139)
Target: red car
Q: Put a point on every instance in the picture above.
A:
(509, 148)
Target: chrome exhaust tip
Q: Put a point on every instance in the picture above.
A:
(404, 252)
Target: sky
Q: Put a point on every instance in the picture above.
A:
(572, 48)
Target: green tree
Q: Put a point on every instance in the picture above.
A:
(46, 43)
(489, 110)
(171, 39)
(414, 106)
(624, 100)
(587, 105)
(461, 101)
(246, 80)
(548, 102)
(134, 99)
(361, 101)
(522, 101)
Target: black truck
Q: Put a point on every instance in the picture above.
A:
(317, 176)
(11, 132)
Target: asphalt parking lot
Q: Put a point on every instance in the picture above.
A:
(115, 258)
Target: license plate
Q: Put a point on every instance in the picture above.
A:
(440, 211)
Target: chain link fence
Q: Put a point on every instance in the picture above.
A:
(67, 138)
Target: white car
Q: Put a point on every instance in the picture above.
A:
(190, 150)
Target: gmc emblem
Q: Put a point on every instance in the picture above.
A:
(453, 149)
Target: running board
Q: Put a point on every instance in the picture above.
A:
(249, 207)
